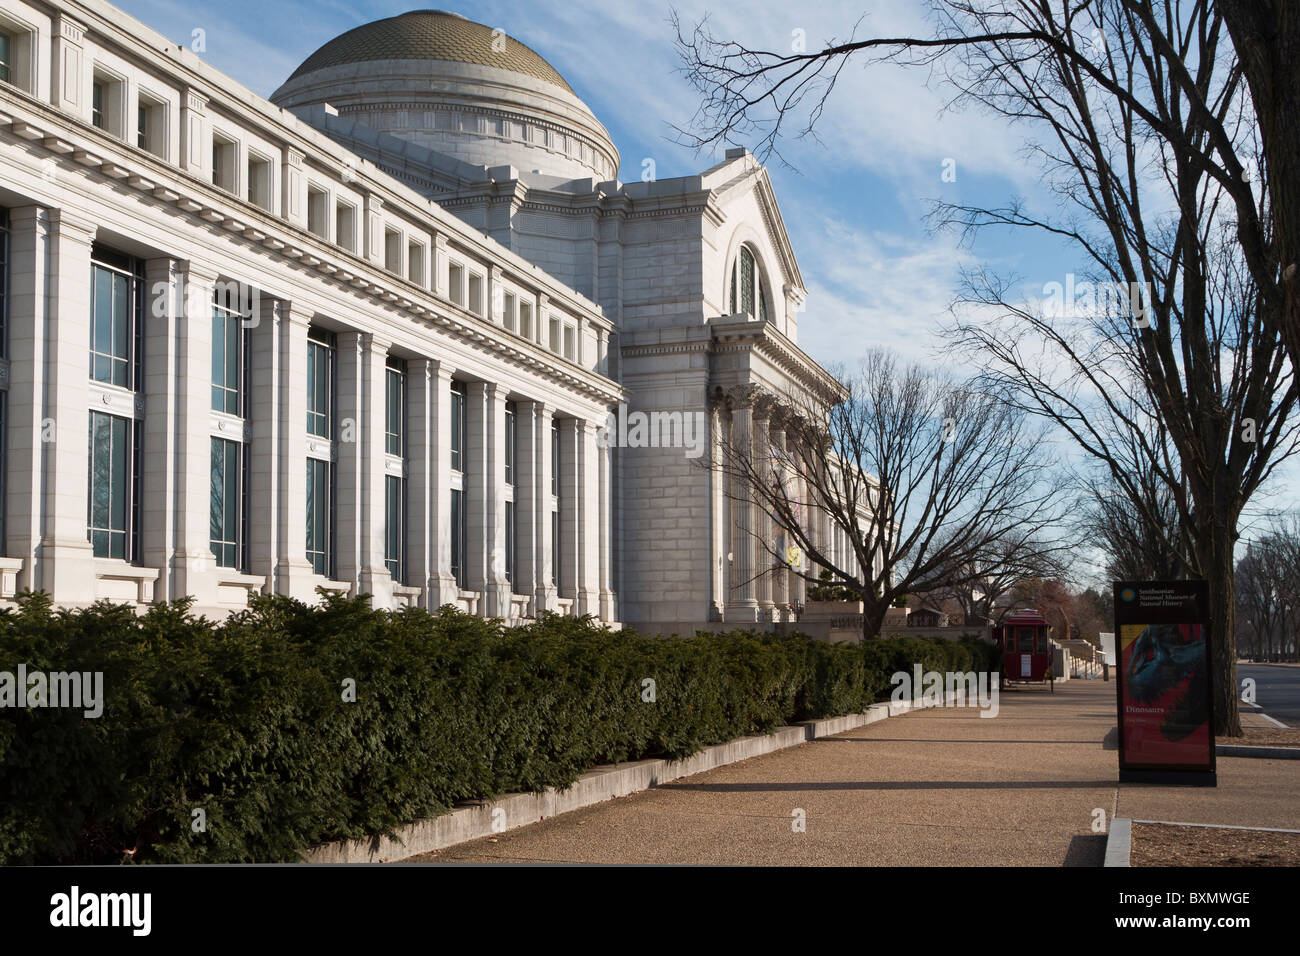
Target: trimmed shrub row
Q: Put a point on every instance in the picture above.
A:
(290, 725)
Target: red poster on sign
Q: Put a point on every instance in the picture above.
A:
(1165, 714)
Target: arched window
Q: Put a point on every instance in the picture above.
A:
(747, 292)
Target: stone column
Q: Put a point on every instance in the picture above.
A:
(373, 577)
(47, 486)
(421, 498)
(294, 575)
(266, 469)
(65, 563)
(763, 538)
(350, 464)
(166, 283)
(545, 590)
(781, 537)
(530, 514)
(719, 511)
(588, 518)
(442, 588)
(605, 509)
(194, 560)
(569, 507)
(742, 605)
(485, 503)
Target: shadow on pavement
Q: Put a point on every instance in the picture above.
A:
(893, 785)
(942, 740)
(1088, 849)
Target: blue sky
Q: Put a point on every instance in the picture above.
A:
(854, 207)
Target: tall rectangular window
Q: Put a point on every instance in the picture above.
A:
(320, 516)
(4, 284)
(510, 443)
(394, 406)
(6, 56)
(555, 459)
(555, 546)
(458, 536)
(394, 537)
(510, 541)
(456, 282)
(320, 383)
(97, 117)
(260, 175)
(317, 206)
(117, 285)
(458, 403)
(229, 338)
(225, 159)
(113, 508)
(227, 510)
(345, 225)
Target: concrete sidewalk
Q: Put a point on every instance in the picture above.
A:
(935, 787)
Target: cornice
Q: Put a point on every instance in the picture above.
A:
(74, 144)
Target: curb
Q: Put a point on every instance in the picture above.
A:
(1269, 753)
(514, 810)
(1119, 842)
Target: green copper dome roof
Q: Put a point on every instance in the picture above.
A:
(430, 35)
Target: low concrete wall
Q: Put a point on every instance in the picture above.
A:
(597, 785)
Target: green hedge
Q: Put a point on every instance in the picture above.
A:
(246, 719)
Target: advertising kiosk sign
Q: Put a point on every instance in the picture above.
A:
(1166, 726)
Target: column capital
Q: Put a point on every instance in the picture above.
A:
(70, 225)
(195, 101)
(69, 29)
(742, 396)
(198, 273)
(376, 342)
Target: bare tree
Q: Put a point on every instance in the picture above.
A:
(979, 589)
(922, 478)
(1153, 147)
(1131, 513)
(1268, 592)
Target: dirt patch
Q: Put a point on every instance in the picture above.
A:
(1264, 737)
(1163, 844)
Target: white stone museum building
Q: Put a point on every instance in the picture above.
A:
(367, 335)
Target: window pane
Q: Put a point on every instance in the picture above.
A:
(746, 281)
(457, 539)
(110, 477)
(318, 515)
(226, 512)
(457, 427)
(394, 538)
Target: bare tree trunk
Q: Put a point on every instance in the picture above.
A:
(1218, 566)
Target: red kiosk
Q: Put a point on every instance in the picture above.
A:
(1025, 639)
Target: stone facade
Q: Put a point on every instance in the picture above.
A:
(489, 273)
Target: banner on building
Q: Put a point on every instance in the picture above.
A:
(1166, 726)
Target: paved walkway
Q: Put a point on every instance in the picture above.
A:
(936, 787)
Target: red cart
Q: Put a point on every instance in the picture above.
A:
(1025, 639)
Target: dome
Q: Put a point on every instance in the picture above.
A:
(431, 35)
(459, 88)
